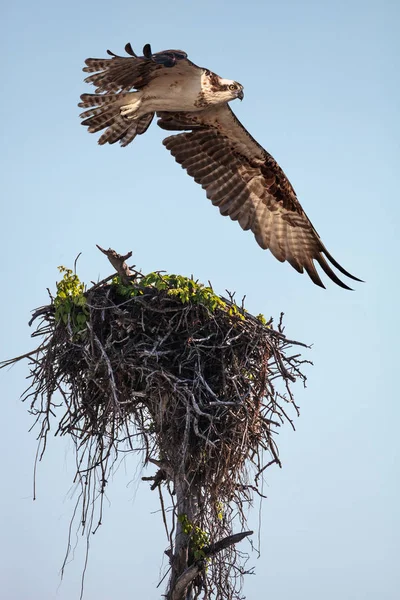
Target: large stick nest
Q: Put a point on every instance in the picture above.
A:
(200, 391)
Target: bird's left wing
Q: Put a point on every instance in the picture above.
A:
(124, 73)
(247, 184)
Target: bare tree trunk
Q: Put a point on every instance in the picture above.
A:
(184, 568)
(183, 573)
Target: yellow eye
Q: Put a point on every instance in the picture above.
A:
(232, 86)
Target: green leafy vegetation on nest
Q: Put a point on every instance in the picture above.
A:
(262, 319)
(70, 301)
(185, 289)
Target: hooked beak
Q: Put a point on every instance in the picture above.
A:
(240, 94)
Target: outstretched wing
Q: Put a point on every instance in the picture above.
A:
(248, 185)
(124, 73)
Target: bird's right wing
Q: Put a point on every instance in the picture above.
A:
(248, 185)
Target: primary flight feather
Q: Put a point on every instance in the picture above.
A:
(239, 176)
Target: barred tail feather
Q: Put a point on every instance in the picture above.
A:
(88, 100)
(140, 127)
(125, 130)
(103, 112)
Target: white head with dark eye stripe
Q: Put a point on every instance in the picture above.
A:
(217, 90)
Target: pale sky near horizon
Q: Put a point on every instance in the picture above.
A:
(322, 96)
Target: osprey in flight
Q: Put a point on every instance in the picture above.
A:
(239, 176)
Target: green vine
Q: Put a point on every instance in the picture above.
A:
(70, 302)
(185, 289)
(220, 510)
(198, 537)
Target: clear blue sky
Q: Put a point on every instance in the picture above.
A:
(322, 95)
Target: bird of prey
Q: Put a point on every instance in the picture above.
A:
(239, 176)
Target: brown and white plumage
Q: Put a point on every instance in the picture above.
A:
(239, 176)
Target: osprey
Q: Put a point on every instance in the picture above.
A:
(239, 176)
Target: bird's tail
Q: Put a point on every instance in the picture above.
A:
(104, 112)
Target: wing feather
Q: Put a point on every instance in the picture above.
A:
(247, 185)
(123, 73)
(231, 200)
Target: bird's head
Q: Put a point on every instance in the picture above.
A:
(218, 90)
